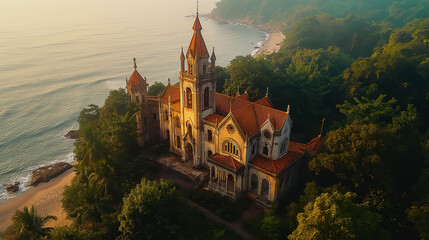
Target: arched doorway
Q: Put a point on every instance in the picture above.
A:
(230, 184)
(189, 152)
(265, 188)
(254, 183)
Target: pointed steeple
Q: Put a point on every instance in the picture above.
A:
(197, 44)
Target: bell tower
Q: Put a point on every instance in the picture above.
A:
(197, 94)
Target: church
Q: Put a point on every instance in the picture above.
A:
(245, 145)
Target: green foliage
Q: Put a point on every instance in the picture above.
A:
(353, 35)
(279, 14)
(26, 224)
(156, 88)
(336, 216)
(418, 214)
(68, 233)
(398, 69)
(272, 225)
(252, 74)
(220, 205)
(149, 211)
(221, 76)
(372, 148)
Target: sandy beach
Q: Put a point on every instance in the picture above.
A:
(46, 198)
(273, 43)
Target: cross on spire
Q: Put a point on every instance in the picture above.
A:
(323, 123)
(135, 64)
(197, 7)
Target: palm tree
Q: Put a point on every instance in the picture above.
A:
(26, 224)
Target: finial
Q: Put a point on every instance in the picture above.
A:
(245, 92)
(288, 108)
(238, 91)
(266, 94)
(135, 64)
(197, 7)
(230, 106)
(169, 98)
(168, 81)
(268, 116)
(323, 123)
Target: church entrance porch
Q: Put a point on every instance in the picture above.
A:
(189, 153)
(226, 176)
(185, 169)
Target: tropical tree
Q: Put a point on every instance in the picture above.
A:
(27, 225)
(336, 216)
(149, 211)
(156, 88)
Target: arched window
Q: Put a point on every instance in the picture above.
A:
(284, 146)
(178, 142)
(189, 128)
(254, 183)
(177, 121)
(231, 148)
(166, 115)
(265, 150)
(137, 99)
(188, 98)
(168, 134)
(265, 187)
(230, 183)
(206, 97)
(204, 69)
(209, 135)
(142, 98)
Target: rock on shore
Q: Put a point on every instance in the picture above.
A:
(44, 174)
(12, 188)
(72, 134)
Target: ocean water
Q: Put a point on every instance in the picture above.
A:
(58, 56)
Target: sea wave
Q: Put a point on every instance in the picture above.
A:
(24, 177)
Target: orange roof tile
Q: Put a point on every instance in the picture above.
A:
(136, 80)
(226, 161)
(265, 101)
(172, 91)
(244, 97)
(314, 145)
(275, 166)
(246, 119)
(297, 147)
(197, 46)
(213, 117)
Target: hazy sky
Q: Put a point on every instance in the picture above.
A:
(51, 13)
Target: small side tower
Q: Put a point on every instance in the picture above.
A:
(147, 119)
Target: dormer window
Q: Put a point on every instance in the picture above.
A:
(231, 148)
(265, 150)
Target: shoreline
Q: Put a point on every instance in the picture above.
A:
(271, 44)
(46, 198)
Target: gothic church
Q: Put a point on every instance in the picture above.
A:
(245, 145)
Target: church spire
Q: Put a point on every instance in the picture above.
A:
(135, 64)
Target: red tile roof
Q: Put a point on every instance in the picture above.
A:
(136, 80)
(244, 97)
(275, 166)
(197, 45)
(173, 92)
(314, 145)
(226, 161)
(265, 101)
(213, 117)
